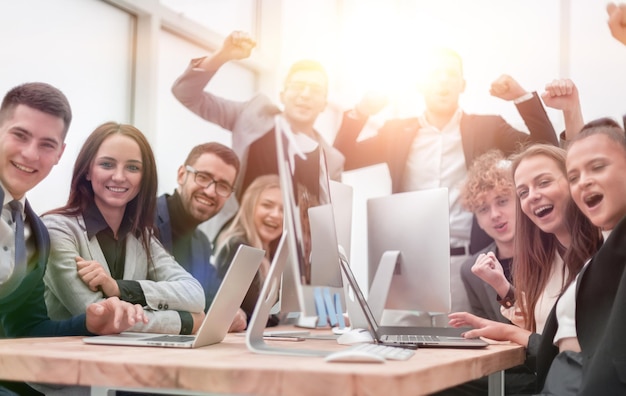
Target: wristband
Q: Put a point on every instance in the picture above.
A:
(509, 300)
(523, 98)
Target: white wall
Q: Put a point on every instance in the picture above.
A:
(178, 129)
(85, 53)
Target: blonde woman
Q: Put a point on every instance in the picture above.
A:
(258, 223)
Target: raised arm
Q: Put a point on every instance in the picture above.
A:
(189, 87)
(367, 152)
(238, 45)
(488, 268)
(617, 21)
(562, 94)
(529, 107)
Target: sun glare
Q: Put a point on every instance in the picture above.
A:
(382, 49)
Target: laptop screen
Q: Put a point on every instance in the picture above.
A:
(356, 290)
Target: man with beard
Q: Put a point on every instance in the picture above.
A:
(205, 182)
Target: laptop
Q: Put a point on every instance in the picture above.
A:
(410, 337)
(217, 320)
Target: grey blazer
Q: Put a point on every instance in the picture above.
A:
(167, 287)
(482, 297)
(248, 120)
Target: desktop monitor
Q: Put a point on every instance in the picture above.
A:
(309, 226)
(307, 258)
(415, 224)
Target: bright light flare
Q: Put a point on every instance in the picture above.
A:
(382, 49)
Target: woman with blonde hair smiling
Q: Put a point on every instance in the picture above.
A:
(258, 223)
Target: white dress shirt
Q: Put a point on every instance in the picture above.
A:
(437, 160)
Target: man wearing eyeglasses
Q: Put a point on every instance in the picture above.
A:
(303, 97)
(205, 182)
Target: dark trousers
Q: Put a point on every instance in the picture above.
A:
(8, 388)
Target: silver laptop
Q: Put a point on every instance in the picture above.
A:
(410, 337)
(218, 318)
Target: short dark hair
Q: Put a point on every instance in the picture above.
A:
(226, 154)
(602, 126)
(306, 65)
(39, 96)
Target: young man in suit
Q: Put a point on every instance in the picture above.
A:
(489, 194)
(205, 182)
(34, 119)
(252, 122)
(436, 148)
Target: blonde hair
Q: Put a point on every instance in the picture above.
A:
(242, 226)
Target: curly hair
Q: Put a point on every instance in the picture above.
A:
(489, 172)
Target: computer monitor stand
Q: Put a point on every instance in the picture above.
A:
(381, 283)
(378, 292)
(269, 293)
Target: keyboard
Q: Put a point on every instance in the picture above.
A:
(171, 338)
(386, 351)
(409, 339)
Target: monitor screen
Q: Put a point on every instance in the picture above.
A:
(309, 224)
(417, 225)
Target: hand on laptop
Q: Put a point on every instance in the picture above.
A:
(488, 328)
(113, 316)
(482, 327)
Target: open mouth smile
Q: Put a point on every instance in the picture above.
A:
(543, 210)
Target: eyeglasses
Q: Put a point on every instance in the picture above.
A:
(205, 180)
(299, 87)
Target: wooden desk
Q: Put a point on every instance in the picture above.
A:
(230, 368)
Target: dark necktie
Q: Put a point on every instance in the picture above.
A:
(20, 243)
(14, 279)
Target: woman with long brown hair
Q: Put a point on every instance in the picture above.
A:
(102, 240)
(553, 239)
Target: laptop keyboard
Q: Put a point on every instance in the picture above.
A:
(386, 351)
(171, 338)
(409, 339)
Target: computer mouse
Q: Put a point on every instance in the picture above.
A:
(355, 336)
(352, 356)
(340, 330)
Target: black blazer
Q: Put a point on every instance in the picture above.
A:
(23, 313)
(479, 134)
(600, 321)
(601, 318)
(198, 263)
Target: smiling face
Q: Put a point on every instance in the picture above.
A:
(443, 84)
(543, 192)
(496, 216)
(268, 215)
(595, 171)
(115, 174)
(31, 143)
(204, 203)
(304, 98)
